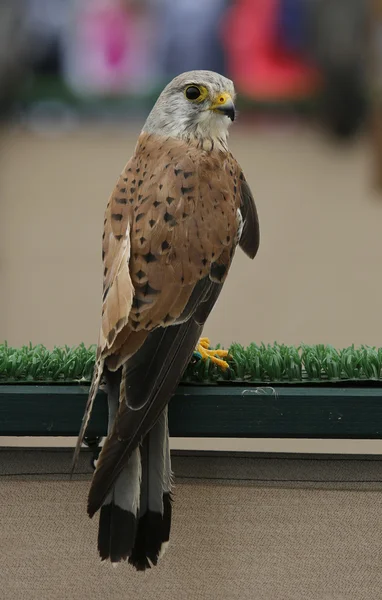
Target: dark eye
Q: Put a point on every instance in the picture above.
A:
(192, 92)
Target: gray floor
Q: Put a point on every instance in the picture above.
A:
(244, 528)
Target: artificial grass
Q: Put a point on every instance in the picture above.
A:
(271, 363)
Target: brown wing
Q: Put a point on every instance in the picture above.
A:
(179, 207)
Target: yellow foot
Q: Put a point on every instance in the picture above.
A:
(215, 356)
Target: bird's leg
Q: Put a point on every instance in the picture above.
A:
(204, 352)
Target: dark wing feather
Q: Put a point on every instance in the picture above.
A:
(250, 237)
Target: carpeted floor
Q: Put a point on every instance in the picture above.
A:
(276, 529)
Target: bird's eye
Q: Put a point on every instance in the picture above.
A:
(192, 92)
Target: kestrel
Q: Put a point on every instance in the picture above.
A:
(172, 224)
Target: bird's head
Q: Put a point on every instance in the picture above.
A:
(195, 105)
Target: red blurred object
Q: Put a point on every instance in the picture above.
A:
(260, 68)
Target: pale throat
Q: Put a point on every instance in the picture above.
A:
(208, 131)
(211, 131)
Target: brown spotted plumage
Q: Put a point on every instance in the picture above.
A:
(172, 223)
(181, 220)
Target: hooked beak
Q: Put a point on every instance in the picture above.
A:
(223, 103)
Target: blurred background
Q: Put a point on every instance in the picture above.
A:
(77, 80)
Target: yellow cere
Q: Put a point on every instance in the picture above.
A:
(221, 99)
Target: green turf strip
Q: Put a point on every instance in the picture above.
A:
(271, 363)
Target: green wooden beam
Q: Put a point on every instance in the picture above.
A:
(206, 411)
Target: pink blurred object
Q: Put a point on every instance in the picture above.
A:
(260, 69)
(105, 35)
(108, 49)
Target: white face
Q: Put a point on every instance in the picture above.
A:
(198, 104)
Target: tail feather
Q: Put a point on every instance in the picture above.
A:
(155, 512)
(119, 513)
(113, 522)
(167, 515)
(167, 495)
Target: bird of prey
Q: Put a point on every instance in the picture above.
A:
(172, 224)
